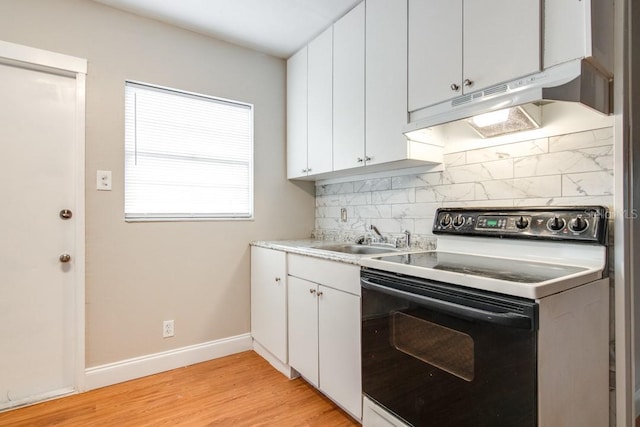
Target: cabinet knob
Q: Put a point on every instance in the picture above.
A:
(319, 293)
(467, 82)
(312, 291)
(304, 171)
(278, 280)
(455, 87)
(367, 159)
(360, 160)
(309, 170)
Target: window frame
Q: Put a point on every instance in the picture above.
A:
(194, 217)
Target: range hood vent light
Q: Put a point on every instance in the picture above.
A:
(578, 81)
(508, 120)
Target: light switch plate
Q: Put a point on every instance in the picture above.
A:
(103, 180)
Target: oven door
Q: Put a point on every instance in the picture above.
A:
(439, 355)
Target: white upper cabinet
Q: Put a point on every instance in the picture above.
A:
(386, 81)
(579, 29)
(297, 115)
(462, 46)
(320, 104)
(501, 41)
(309, 108)
(351, 109)
(348, 90)
(435, 51)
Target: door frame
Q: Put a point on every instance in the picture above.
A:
(70, 66)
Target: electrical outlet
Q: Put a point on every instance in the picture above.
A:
(167, 328)
(343, 214)
(103, 180)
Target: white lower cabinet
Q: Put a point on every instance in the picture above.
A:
(303, 328)
(269, 300)
(324, 328)
(339, 347)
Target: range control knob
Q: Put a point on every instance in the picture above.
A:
(555, 224)
(522, 223)
(458, 221)
(578, 224)
(445, 221)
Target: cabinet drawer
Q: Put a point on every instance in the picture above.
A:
(334, 274)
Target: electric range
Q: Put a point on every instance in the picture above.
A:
(505, 323)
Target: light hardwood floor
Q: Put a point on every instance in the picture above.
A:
(237, 390)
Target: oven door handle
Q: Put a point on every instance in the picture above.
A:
(511, 320)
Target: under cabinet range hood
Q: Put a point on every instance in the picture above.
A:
(578, 81)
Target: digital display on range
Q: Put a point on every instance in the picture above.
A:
(491, 223)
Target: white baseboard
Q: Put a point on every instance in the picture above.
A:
(125, 370)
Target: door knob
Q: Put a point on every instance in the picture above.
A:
(66, 214)
(64, 258)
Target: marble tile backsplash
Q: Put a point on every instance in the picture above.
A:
(571, 169)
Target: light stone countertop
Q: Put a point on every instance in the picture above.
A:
(311, 247)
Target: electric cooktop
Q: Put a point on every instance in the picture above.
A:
(496, 268)
(527, 252)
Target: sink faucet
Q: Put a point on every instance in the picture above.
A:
(408, 238)
(375, 230)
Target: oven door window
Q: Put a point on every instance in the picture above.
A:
(442, 347)
(434, 369)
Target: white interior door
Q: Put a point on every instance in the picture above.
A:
(37, 180)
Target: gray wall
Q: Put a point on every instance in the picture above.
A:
(138, 274)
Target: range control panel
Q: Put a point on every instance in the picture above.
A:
(579, 223)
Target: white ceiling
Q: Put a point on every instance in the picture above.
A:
(275, 27)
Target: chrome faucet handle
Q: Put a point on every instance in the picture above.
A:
(407, 239)
(375, 230)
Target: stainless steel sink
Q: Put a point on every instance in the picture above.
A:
(350, 248)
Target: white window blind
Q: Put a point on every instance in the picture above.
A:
(186, 155)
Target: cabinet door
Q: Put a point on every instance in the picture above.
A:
(435, 51)
(501, 41)
(565, 30)
(386, 80)
(303, 328)
(320, 104)
(297, 114)
(339, 338)
(348, 90)
(269, 300)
